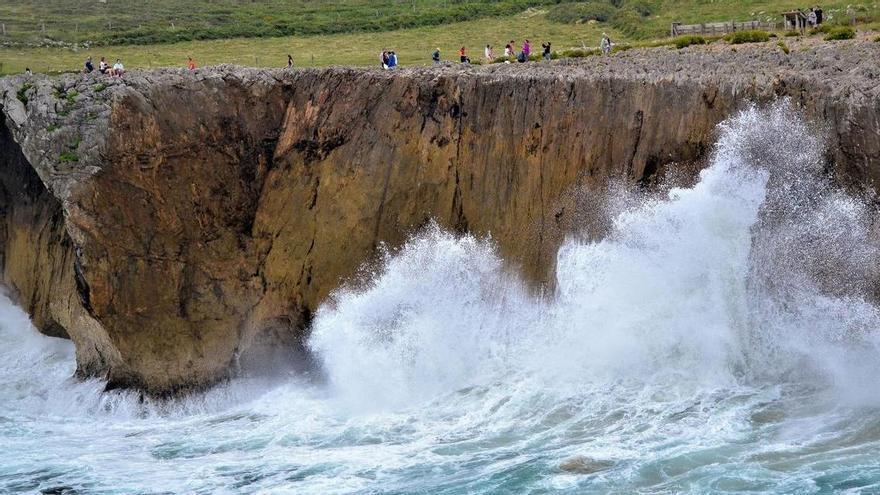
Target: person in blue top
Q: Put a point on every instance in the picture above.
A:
(392, 60)
(89, 66)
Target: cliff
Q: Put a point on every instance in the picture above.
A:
(179, 227)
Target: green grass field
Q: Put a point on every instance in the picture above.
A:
(245, 26)
(414, 46)
(117, 22)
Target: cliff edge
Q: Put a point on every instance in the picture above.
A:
(179, 226)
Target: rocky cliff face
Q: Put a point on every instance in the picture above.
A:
(180, 227)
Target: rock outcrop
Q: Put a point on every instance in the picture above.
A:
(182, 226)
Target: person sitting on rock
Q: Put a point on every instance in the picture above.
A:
(118, 68)
(89, 67)
(462, 55)
(435, 57)
(289, 61)
(103, 66)
(191, 64)
(392, 59)
(489, 55)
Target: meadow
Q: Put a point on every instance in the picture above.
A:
(119, 22)
(161, 33)
(413, 46)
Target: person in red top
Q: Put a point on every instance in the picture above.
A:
(191, 64)
(463, 56)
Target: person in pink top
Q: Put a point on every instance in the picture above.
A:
(527, 49)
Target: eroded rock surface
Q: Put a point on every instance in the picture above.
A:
(180, 227)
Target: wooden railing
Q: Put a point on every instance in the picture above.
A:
(679, 29)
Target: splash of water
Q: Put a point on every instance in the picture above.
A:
(718, 339)
(755, 273)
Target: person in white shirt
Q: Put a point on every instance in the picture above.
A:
(118, 68)
(489, 55)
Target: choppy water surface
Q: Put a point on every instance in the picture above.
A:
(719, 340)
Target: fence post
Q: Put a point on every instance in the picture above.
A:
(4, 28)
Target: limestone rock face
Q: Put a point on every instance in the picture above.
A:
(180, 227)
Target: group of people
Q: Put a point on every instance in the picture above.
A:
(117, 69)
(104, 67)
(510, 53)
(814, 16)
(389, 59)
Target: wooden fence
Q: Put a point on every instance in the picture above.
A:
(679, 29)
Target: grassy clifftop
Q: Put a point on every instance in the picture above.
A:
(120, 22)
(141, 22)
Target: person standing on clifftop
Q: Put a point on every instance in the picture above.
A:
(605, 45)
(818, 11)
(463, 56)
(527, 50)
(289, 61)
(546, 53)
(436, 57)
(489, 56)
(191, 64)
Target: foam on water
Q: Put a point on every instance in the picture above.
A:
(719, 339)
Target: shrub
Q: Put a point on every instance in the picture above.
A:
(100, 87)
(792, 34)
(629, 22)
(688, 40)
(741, 37)
(68, 157)
(22, 92)
(877, 39)
(823, 29)
(569, 13)
(784, 47)
(643, 7)
(841, 33)
(580, 53)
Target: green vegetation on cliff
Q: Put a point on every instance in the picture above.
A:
(162, 33)
(414, 46)
(122, 22)
(643, 19)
